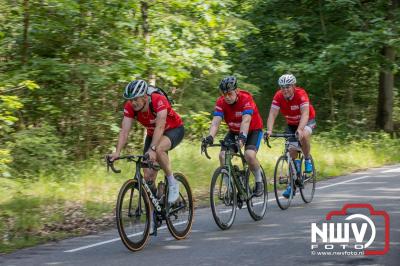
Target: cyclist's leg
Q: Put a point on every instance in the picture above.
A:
(252, 144)
(169, 140)
(308, 130)
(230, 136)
(294, 145)
(305, 142)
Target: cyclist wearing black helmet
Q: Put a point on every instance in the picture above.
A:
(164, 129)
(240, 112)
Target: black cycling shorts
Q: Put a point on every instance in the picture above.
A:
(253, 139)
(175, 135)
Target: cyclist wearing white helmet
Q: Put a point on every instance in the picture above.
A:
(294, 104)
(164, 129)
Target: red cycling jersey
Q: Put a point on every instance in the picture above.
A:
(148, 119)
(232, 113)
(291, 108)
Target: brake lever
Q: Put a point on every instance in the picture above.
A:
(206, 153)
(266, 141)
(204, 150)
(110, 164)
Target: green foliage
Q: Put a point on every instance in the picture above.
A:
(82, 54)
(9, 105)
(91, 191)
(72, 59)
(333, 47)
(37, 149)
(196, 124)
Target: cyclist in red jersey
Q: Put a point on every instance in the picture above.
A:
(295, 106)
(240, 112)
(164, 130)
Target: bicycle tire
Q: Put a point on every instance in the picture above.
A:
(312, 182)
(121, 217)
(229, 199)
(184, 202)
(250, 205)
(282, 174)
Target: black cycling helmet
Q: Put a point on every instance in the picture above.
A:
(228, 84)
(135, 89)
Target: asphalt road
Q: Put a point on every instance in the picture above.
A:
(281, 238)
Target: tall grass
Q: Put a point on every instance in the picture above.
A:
(52, 207)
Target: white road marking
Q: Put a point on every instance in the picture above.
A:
(114, 239)
(163, 227)
(344, 182)
(395, 170)
(331, 185)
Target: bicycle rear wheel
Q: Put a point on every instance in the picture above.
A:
(256, 205)
(308, 180)
(282, 179)
(133, 222)
(223, 198)
(179, 216)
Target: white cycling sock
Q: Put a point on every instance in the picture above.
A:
(257, 174)
(171, 180)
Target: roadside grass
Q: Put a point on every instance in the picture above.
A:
(82, 200)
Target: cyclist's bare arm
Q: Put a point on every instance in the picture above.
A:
(273, 113)
(244, 126)
(161, 120)
(123, 136)
(305, 114)
(215, 125)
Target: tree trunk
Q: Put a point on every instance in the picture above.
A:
(331, 100)
(144, 7)
(384, 117)
(330, 85)
(25, 42)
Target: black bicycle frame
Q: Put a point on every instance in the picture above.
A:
(233, 172)
(138, 176)
(229, 154)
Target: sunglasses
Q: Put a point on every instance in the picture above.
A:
(228, 93)
(285, 87)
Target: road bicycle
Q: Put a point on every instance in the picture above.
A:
(290, 173)
(138, 203)
(232, 185)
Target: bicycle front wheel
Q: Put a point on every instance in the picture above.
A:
(308, 184)
(180, 214)
(283, 179)
(256, 204)
(133, 216)
(223, 198)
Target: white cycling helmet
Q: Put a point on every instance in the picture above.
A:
(287, 79)
(135, 89)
